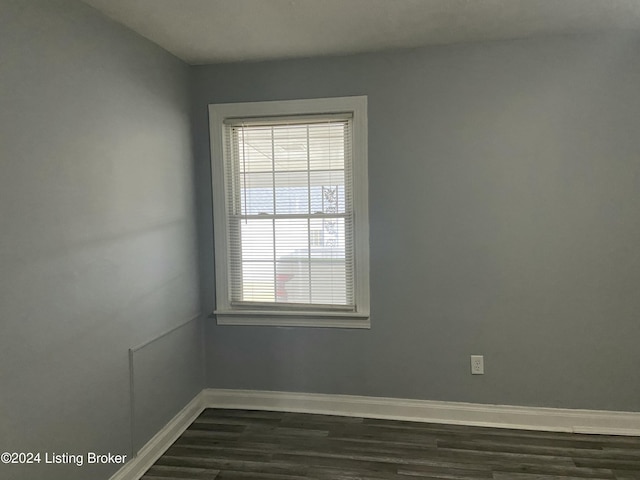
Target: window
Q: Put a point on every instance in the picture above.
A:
(291, 212)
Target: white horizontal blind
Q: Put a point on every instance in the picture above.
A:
(290, 211)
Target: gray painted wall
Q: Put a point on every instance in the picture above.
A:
(166, 374)
(504, 208)
(504, 184)
(97, 233)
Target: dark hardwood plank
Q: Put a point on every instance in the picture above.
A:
(246, 444)
(184, 473)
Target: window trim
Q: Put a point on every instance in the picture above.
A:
(225, 313)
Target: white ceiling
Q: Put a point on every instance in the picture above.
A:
(216, 31)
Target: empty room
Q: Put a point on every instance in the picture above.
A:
(319, 239)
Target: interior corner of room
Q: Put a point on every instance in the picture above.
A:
(503, 207)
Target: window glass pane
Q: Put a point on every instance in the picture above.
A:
(291, 235)
(327, 146)
(292, 251)
(293, 281)
(257, 258)
(290, 148)
(292, 193)
(256, 193)
(328, 197)
(327, 164)
(257, 282)
(254, 149)
(328, 233)
(328, 277)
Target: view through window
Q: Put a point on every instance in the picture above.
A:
(290, 210)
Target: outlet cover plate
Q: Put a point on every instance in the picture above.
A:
(477, 364)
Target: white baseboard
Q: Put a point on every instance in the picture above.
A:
(500, 416)
(154, 448)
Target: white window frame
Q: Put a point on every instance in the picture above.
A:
(228, 314)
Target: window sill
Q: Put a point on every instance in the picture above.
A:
(293, 319)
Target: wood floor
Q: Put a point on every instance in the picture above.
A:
(241, 444)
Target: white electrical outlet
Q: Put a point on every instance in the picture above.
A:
(477, 364)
